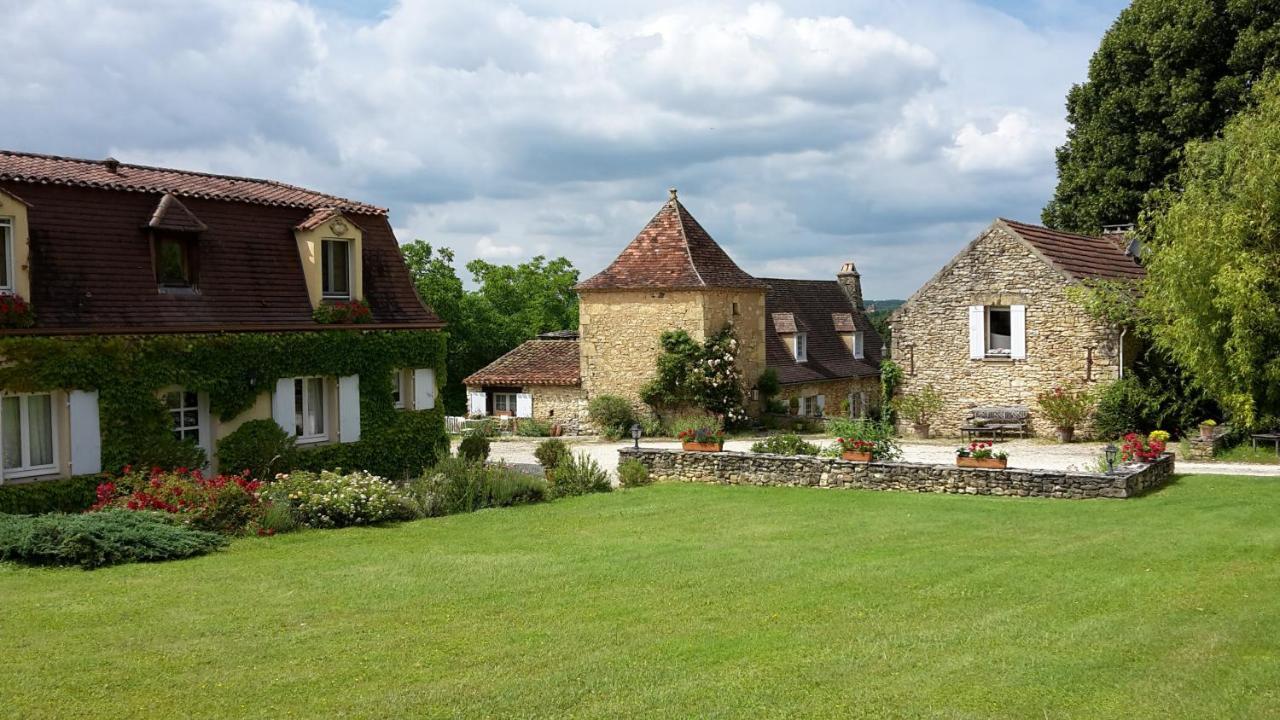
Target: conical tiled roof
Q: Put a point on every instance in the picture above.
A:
(671, 252)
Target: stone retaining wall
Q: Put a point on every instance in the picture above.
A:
(736, 468)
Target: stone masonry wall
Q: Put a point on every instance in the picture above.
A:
(619, 333)
(560, 404)
(836, 391)
(735, 468)
(931, 334)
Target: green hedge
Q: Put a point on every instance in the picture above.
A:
(70, 495)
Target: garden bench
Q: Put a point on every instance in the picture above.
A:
(1270, 437)
(996, 422)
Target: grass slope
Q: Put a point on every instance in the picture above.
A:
(679, 601)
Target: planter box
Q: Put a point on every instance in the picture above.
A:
(701, 447)
(852, 456)
(989, 463)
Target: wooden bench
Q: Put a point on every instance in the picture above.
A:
(996, 422)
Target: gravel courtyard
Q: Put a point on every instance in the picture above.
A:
(1037, 454)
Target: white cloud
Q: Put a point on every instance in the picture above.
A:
(800, 136)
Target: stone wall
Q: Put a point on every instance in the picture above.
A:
(619, 333)
(735, 468)
(836, 392)
(566, 405)
(931, 334)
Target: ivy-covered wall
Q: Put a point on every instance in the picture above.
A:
(234, 369)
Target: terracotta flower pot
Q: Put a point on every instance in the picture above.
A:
(1206, 432)
(989, 463)
(851, 456)
(557, 430)
(1065, 434)
(922, 431)
(701, 447)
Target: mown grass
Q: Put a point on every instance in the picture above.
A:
(686, 601)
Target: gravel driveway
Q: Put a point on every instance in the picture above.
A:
(1036, 454)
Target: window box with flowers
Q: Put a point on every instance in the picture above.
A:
(702, 439)
(15, 312)
(979, 454)
(343, 312)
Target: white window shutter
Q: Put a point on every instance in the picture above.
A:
(424, 389)
(1018, 341)
(822, 404)
(282, 409)
(977, 332)
(349, 408)
(476, 404)
(524, 405)
(858, 352)
(804, 410)
(86, 432)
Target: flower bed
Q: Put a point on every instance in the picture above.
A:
(226, 504)
(329, 499)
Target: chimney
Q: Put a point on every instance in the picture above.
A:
(851, 282)
(111, 164)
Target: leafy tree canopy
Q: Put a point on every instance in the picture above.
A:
(1165, 73)
(511, 304)
(1213, 273)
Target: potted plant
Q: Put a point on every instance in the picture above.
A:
(1139, 449)
(855, 450)
(1066, 409)
(979, 454)
(1207, 429)
(919, 407)
(702, 439)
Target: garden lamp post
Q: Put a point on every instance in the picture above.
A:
(635, 434)
(1110, 451)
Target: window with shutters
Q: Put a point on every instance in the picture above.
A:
(6, 255)
(504, 403)
(28, 434)
(309, 404)
(999, 332)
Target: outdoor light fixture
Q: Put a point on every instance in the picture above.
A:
(1110, 451)
(635, 434)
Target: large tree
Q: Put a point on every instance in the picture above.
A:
(1166, 73)
(1213, 273)
(510, 304)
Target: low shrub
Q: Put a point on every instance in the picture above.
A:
(93, 540)
(612, 415)
(785, 445)
(919, 407)
(457, 486)
(70, 495)
(578, 475)
(474, 447)
(870, 431)
(1066, 408)
(259, 446)
(549, 453)
(530, 427)
(651, 426)
(331, 499)
(222, 503)
(633, 473)
(275, 518)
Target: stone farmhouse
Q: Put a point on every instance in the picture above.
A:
(996, 325)
(673, 275)
(175, 307)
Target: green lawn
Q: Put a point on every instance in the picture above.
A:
(683, 601)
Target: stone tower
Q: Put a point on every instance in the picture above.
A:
(673, 275)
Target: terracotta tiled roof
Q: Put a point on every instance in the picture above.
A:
(172, 215)
(819, 307)
(1080, 256)
(843, 322)
(536, 362)
(784, 322)
(92, 269)
(108, 174)
(672, 252)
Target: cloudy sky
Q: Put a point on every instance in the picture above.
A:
(801, 134)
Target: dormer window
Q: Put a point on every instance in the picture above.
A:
(802, 347)
(859, 352)
(6, 255)
(175, 261)
(335, 268)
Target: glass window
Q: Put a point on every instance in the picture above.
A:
(335, 268)
(6, 254)
(802, 347)
(397, 388)
(173, 262)
(308, 404)
(184, 410)
(26, 432)
(999, 331)
(504, 403)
